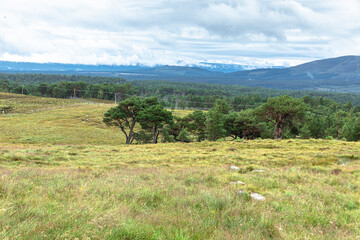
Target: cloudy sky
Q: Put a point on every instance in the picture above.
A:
(255, 32)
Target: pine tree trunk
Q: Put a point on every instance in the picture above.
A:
(155, 135)
(278, 131)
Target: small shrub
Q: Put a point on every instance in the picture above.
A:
(247, 169)
(351, 205)
(184, 136)
(143, 137)
(238, 139)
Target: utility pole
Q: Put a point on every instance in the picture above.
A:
(115, 97)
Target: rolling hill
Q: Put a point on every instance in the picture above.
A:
(340, 74)
(342, 68)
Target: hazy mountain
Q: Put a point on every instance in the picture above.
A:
(334, 74)
(341, 68)
(340, 74)
(54, 67)
(228, 68)
(6, 66)
(178, 71)
(225, 68)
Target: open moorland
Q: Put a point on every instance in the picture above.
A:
(65, 175)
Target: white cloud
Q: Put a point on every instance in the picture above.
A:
(165, 32)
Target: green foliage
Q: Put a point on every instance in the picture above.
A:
(215, 121)
(125, 116)
(167, 137)
(221, 106)
(305, 132)
(196, 124)
(243, 124)
(68, 87)
(279, 117)
(153, 118)
(282, 112)
(184, 136)
(143, 137)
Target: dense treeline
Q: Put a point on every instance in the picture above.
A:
(279, 117)
(37, 78)
(162, 89)
(70, 89)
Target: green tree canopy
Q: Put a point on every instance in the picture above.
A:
(196, 124)
(153, 119)
(125, 116)
(242, 124)
(281, 111)
(215, 120)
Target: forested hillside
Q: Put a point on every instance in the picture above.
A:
(178, 95)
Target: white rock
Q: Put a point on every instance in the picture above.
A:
(257, 196)
(259, 170)
(240, 192)
(233, 168)
(237, 182)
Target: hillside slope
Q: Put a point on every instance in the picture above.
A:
(346, 68)
(340, 74)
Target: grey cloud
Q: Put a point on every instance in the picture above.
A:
(221, 17)
(159, 31)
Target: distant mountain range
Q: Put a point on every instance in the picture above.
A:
(340, 74)
(6, 66)
(227, 68)
(49, 67)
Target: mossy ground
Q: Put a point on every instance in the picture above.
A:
(65, 177)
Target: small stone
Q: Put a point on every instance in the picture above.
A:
(231, 149)
(257, 196)
(336, 171)
(240, 192)
(234, 168)
(238, 182)
(259, 170)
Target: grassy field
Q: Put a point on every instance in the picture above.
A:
(65, 175)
